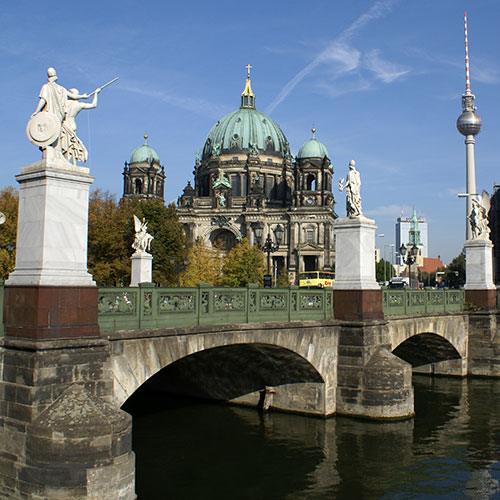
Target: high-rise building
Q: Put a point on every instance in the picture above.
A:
(410, 231)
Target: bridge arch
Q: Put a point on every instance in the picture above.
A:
(302, 362)
(422, 340)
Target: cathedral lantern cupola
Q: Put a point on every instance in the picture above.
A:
(143, 175)
(313, 175)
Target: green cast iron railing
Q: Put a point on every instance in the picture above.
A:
(400, 302)
(148, 307)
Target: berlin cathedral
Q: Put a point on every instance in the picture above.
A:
(247, 184)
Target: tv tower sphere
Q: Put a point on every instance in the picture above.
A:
(469, 123)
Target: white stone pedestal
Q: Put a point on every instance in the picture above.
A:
(355, 254)
(52, 225)
(479, 265)
(142, 265)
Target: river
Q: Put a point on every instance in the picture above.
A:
(190, 449)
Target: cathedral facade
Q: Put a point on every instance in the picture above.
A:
(247, 184)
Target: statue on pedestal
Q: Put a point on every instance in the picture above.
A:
(352, 188)
(478, 217)
(142, 239)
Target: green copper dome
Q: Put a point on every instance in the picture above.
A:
(312, 149)
(246, 131)
(145, 154)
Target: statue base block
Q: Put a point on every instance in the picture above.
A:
(358, 305)
(42, 313)
(485, 299)
(142, 265)
(355, 254)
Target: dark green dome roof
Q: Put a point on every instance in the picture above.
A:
(145, 154)
(246, 130)
(312, 149)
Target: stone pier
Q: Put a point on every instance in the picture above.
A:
(60, 438)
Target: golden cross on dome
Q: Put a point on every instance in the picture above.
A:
(248, 67)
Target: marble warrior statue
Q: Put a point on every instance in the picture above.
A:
(52, 126)
(142, 239)
(478, 217)
(352, 188)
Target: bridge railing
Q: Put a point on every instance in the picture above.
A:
(399, 302)
(145, 307)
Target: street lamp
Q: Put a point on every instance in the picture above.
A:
(269, 247)
(409, 256)
(178, 268)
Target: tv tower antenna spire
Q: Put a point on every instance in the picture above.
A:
(469, 125)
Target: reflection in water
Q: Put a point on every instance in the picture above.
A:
(188, 449)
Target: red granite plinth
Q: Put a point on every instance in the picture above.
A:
(358, 305)
(485, 299)
(50, 312)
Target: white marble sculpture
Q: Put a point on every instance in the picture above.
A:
(478, 217)
(142, 239)
(52, 126)
(352, 188)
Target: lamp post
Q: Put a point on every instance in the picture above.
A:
(269, 247)
(178, 268)
(409, 256)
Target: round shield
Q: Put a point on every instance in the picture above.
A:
(43, 129)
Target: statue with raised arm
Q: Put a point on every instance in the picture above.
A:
(352, 188)
(478, 217)
(72, 147)
(142, 239)
(52, 126)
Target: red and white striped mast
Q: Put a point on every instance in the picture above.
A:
(469, 125)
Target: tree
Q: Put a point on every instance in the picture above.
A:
(454, 272)
(108, 242)
(9, 201)
(283, 279)
(384, 270)
(243, 265)
(204, 266)
(111, 233)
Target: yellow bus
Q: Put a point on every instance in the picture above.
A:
(316, 279)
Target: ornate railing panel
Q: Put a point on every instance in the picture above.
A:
(400, 302)
(148, 307)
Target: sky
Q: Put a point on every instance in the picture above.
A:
(380, 80)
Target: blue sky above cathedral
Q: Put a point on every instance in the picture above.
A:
(380, 81)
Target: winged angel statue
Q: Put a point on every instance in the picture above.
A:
(142, 239)
(478, 217)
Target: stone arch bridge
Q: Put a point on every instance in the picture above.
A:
(317, 367)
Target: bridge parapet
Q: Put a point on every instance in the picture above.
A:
(401, 302)
(146, 306)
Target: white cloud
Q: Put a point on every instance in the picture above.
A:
(384, 70)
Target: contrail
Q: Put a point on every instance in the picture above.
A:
(377, 10)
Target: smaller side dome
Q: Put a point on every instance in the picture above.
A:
(145, 154)
(312, 149)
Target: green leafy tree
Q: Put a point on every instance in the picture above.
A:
(243, 265)
(204, 266)
(9, 200)
(454, 272)
(384, 270)
(108, 242)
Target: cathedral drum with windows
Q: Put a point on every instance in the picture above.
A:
(247, 178)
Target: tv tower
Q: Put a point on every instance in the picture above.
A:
(469, 125)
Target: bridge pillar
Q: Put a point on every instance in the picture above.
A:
(484, 345)
(372, 382)
(59, 438)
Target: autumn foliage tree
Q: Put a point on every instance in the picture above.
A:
(244, 264)
(9, 200)
(204, 266)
